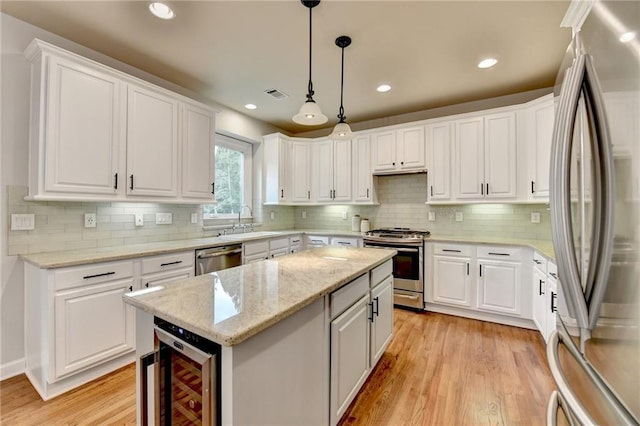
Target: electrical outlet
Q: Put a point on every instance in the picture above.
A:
(459, 216)
(304, 214)
(194, 218)
(273, 215)
(432, 216)
(535, 217)
(164, 219)
(22, 222)
(344, 215)
(139, 219)
(89, 220)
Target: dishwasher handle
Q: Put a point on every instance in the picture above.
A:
(216, 253)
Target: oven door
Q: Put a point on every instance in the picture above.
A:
(185, 383)
(407, 265)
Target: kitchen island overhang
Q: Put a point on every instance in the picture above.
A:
(273, 321)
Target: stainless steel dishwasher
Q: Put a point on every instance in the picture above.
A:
(218, 258)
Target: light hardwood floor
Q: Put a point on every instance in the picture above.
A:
(438, 370)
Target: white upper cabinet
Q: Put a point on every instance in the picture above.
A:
(92, 128)
(276, 152)
(300, 172)
(439, 154)
(198, 152)
(398, 150)
(332, 161)
(152, 143)
(486, 157)
(540, 117)
(361, 169)
(75, 138)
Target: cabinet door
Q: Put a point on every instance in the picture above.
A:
(342, 171)
(276, 167)
(540, 131)
(411, 148)
(469, 158)
(166, 277)
(361, 167)
(539, 300)
(152, 143)
(384, 151)
(92, 325)
(349, 356)
(382, 325)
(324, 171)
(499, 287)
(500, 155)
(551, 307)
(83, 135)
(279, 252)
(300, 172)
(452, 280)
(439, 153)
(198, 153)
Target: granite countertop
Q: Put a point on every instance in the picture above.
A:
(231, 305)
(59, 259)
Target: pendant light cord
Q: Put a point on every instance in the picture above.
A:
(341, 116)
(310, 88)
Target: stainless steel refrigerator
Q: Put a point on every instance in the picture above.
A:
(594, 354)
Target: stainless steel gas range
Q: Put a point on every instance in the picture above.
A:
(408, 264)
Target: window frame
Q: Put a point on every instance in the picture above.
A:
(246, 148)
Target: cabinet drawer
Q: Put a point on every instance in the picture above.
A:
(504, 253)
(167, 262)
(540, 262)
(280, 243)
(552, 269)
(294, 241)
(92, 274)
(379, 273)
(453, 250)
(346, 296)
(255, 248)
(345, 242)
(316, 241)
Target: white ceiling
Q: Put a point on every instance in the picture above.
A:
(232, 51)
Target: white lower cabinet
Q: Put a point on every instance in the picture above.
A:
(499, 286)
(552, 301)
(539, 288)
(359, 335)
(158, 270)
(451, 275)
(295, 244)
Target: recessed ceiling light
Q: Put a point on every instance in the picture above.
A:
(383, 88)
(161, 10)
(627, 37)
(250, 106)
(487, 63)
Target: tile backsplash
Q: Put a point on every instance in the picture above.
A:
(60, 225)
(402, 203)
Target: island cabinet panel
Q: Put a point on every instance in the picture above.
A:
(382, 326)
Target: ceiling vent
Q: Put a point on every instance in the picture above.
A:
(276, 94)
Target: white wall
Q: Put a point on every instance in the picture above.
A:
(15, 35)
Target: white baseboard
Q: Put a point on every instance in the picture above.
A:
(11, 369)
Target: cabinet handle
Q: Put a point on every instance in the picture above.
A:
(377, 310)
(308, 195)
(115, 181)
(432, 190)
(554, 275)
(540, 292)
(371, 306)
(532, 187)
(487, 189)
(131, 187)
(213, 188)
(394, 163)
(480, 270)
(537, 262)
(171, 263)
(499, 254)
(451, 250)
(130, 288)
(282, 193)
(467, 268)
(367, 192)
(554, 308)
(482, 189)
(402, 163)
(86, 277)
(147, 285)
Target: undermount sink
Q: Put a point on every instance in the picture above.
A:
(248, 235)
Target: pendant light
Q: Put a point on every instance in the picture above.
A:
(342, 131)
(310, 113)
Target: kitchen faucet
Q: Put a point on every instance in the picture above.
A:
(239, 219)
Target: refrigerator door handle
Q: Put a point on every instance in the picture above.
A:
(560, 192)
(604, 213)
(556, 402)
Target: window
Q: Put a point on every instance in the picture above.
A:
(233, 178)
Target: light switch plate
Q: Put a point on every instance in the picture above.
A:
(432, 216)
(89, 220)
(139, 219)
(459, 216)
(194, 218)
(163, 219)
(273, 215)
(344, 215)
(535, 217)
(304, 214)
(22, 222)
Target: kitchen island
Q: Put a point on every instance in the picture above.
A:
(283, 326)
